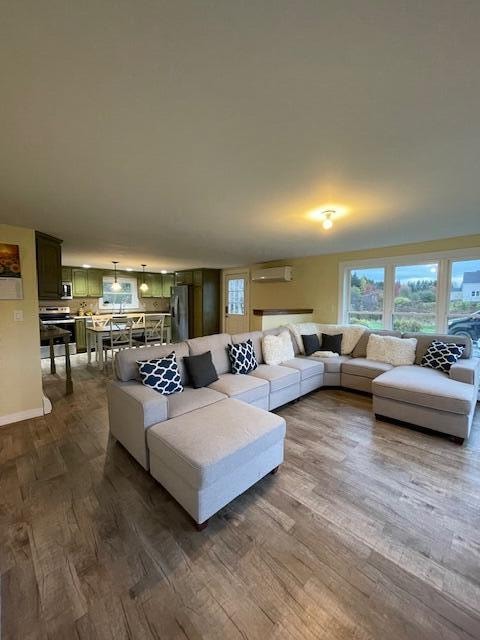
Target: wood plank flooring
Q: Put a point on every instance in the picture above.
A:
(369, 531)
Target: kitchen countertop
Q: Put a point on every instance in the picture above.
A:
(99, 315)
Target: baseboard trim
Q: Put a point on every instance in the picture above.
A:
(21, 415)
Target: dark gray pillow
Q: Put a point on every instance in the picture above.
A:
(201, 369)
(311, 343)
(332, 343)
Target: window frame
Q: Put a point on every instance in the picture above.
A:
(444, 259)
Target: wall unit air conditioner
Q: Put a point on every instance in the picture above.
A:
(273, 274)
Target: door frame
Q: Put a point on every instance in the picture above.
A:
(236, 271)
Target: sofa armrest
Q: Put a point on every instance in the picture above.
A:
(466, 370)
(132, 409)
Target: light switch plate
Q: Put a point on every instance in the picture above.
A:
(18, 315)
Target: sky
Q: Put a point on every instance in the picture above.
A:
(406, 273)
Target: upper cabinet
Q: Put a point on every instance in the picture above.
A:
(87, 283)
(80, 283)
(95, 283)
(158, 285)
(168, 281)
(183, 277)
(49, 266)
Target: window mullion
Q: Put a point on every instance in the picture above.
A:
(388, 296)
(443, 288)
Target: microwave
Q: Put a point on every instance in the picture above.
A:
(67, 290)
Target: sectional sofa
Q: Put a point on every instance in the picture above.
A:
(208, 445)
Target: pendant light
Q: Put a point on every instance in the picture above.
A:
(144, 285)
(116, 286)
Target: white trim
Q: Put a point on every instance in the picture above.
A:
(21, 415)
(444, 260)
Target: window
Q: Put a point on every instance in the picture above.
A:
(464, 300)
(428, 293)
(236, 296)
(365, 297)
(415, 298)
(124, 300)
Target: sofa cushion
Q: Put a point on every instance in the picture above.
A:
(161, 374)
(126, 367)
(442, 355)
(424, 340)
(332, 343)
(277, 349)
(217, 344)
(360, 350)
(365, 368)
(311, 343)
(256, 338)
(204, 446)
(278, 376)
(308, 368)
(242, 357)
(246, 388)
(331, 365)
(191, 399)
(396, 351)
(201, 371)
(425, 387)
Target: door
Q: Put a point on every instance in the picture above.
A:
(235, 295)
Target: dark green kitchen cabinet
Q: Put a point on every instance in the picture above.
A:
(66, 274)
(80, 283)
(49, 266)
(168, 281)
(95, 283)
(183, 277)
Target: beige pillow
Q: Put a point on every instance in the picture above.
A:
(396, 351)
(277, 349)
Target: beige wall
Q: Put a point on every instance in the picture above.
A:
(20, 375)
(315, 278)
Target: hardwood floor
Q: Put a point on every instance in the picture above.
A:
(368, 531)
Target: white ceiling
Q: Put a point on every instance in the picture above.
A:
(188, 133)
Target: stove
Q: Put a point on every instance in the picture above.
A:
(58, 317)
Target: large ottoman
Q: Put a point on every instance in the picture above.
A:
(208, 457)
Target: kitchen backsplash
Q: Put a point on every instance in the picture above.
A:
(91, 304)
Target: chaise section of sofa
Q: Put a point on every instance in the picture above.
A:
(134, 408)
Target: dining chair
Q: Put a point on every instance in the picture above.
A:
(119, 335)
(153, 331)
(100, 323)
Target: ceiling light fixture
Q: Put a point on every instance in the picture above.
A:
(144, 285)
(327, 219)
(164, 271)
(116, 286)
(129, 269)
(86, 266)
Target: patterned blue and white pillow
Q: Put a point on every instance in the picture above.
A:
(441, 355)
(161, 374)
(242, 357)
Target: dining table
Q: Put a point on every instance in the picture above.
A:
(50, 334)
(96, 332)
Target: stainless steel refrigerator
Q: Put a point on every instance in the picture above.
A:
(180, 310)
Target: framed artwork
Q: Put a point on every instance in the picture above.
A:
(11, 287)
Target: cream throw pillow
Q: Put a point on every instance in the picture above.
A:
(277, 349)
(396, 351)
